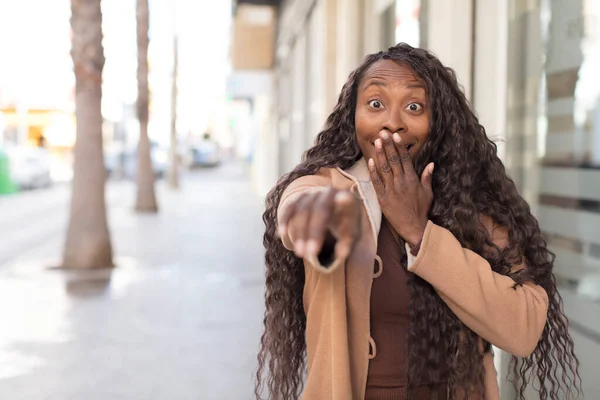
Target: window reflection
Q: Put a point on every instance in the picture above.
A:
(570, 174)
(553, 129)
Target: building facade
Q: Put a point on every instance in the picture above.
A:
(528, 68)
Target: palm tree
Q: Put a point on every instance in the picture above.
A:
(146, 198)
(173, 173)
(88, 239)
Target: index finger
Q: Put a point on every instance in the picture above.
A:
(405, 157)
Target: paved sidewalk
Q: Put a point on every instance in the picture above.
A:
(179, 318)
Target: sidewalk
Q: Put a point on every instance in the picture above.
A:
(179, 319)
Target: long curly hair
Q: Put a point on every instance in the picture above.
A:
(469, 181)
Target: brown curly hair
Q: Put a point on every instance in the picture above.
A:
(469, 181)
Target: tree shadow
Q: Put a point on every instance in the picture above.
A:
(85, 283)
(88, 288)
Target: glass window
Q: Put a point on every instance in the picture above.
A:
(553, 149)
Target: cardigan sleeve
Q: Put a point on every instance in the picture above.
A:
(511, 317)
(299, 187)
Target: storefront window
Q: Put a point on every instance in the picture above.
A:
(570, 173)
(553, 149)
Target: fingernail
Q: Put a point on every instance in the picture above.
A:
(432, 167)
(378, 143)
(299, 248)
(384, 134)
(312, 247)
(371, 163)
(396, 138)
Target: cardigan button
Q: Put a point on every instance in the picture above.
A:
(377, 267)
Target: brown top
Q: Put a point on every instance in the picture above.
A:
(387, 377)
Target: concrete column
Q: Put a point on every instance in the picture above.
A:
(264, 169)
(349, 38)
(449, 36)
(490, 68)
(370, 32)
(316, 111)
(330, 19)
(298, 98)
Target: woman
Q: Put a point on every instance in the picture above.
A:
(399, 251)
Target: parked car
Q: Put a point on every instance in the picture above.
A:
(203, 154)
(124, 163)
(30, 167)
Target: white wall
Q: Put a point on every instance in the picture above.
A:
(297, 143)
(264, 168)
(371, 28)
(316, 111)
(449, 36)
(489, 97)
(349, 38)
(258, 86)
(489, 90)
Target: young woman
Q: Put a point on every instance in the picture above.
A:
(399, 251)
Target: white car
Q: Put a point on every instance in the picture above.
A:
(204, 154)
(30, 167)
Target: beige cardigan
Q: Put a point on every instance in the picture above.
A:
(336, 299)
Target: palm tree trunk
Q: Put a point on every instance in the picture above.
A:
(173, 172)
(146, 198)
(88, 239)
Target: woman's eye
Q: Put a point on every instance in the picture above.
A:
(414, 107)
(375, 104)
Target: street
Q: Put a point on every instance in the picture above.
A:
(178, 318)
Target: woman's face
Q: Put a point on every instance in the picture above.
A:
(391, 98)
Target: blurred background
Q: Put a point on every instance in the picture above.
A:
(131, 264)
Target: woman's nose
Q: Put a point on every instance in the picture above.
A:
(394, 122)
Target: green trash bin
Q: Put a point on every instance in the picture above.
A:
(6, 184)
